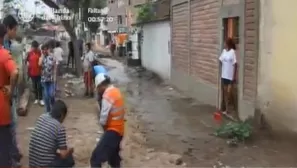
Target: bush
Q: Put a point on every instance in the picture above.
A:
(145, 13)
(239, 131)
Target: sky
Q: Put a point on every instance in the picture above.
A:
(29, 6)
(40, 9)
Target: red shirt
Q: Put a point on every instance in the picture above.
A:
(7, 66)
(33, 58)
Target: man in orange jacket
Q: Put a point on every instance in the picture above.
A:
(112, 120)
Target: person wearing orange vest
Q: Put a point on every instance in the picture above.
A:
(111, 118)
(8, 81)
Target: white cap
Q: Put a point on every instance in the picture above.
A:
(99, 79)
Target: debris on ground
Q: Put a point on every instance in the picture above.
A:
(219, 164)
(75, 81)
(100, 132)
(161, 124)
(24, 103)
(30, 128)
(67, 76)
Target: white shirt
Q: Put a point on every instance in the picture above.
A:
(58, 54)
(88, 58)
(105, 109)
(228, 60)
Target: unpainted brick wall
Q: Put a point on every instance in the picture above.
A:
(180, 51)
(203, 45)
(200, 38)
(204, 40)
(251, 51)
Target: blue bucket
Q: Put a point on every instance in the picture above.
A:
(99, 69)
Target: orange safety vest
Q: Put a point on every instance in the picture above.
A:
(5, 115)
(115, 121)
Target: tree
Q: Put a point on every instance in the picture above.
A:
(145, 13)
(73, 6)
(14, 7)
(70, 30)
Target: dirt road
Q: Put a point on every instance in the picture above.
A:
(164, 127)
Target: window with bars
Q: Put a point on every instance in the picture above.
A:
(120, 19)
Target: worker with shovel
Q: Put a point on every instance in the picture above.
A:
(111, 118)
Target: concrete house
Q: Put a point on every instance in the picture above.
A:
(117, 10)
(135, 34)
(277, 83)
(156, 40)
(198, 30)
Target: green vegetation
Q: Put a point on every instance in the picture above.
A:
(237, 131)
(145, 13)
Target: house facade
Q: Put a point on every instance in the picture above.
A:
(277, 83)
(199, 28)
(156, 48)
(132, 10)
(156, 54)
(117, 10)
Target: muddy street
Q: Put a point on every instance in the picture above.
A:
(175, 123)
(164, 127)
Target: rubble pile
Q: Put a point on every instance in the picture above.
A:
(73, 85)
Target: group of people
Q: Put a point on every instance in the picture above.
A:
(48, 144)
(118, 42)
(43, 69)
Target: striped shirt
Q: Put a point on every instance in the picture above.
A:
(48, 136)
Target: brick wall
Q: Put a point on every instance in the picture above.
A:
(180, 29)
(251, 53)
(203, 45)
(204, 40)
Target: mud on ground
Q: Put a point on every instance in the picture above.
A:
(164, 127)
(83, 131)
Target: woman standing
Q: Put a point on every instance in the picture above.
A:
(58, 56)
(228, 64)
(88, 60)
(47, 63)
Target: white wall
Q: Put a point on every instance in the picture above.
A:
(101, 38)
(155, 48)
(134, 39)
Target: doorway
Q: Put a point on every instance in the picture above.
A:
(231, 30)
